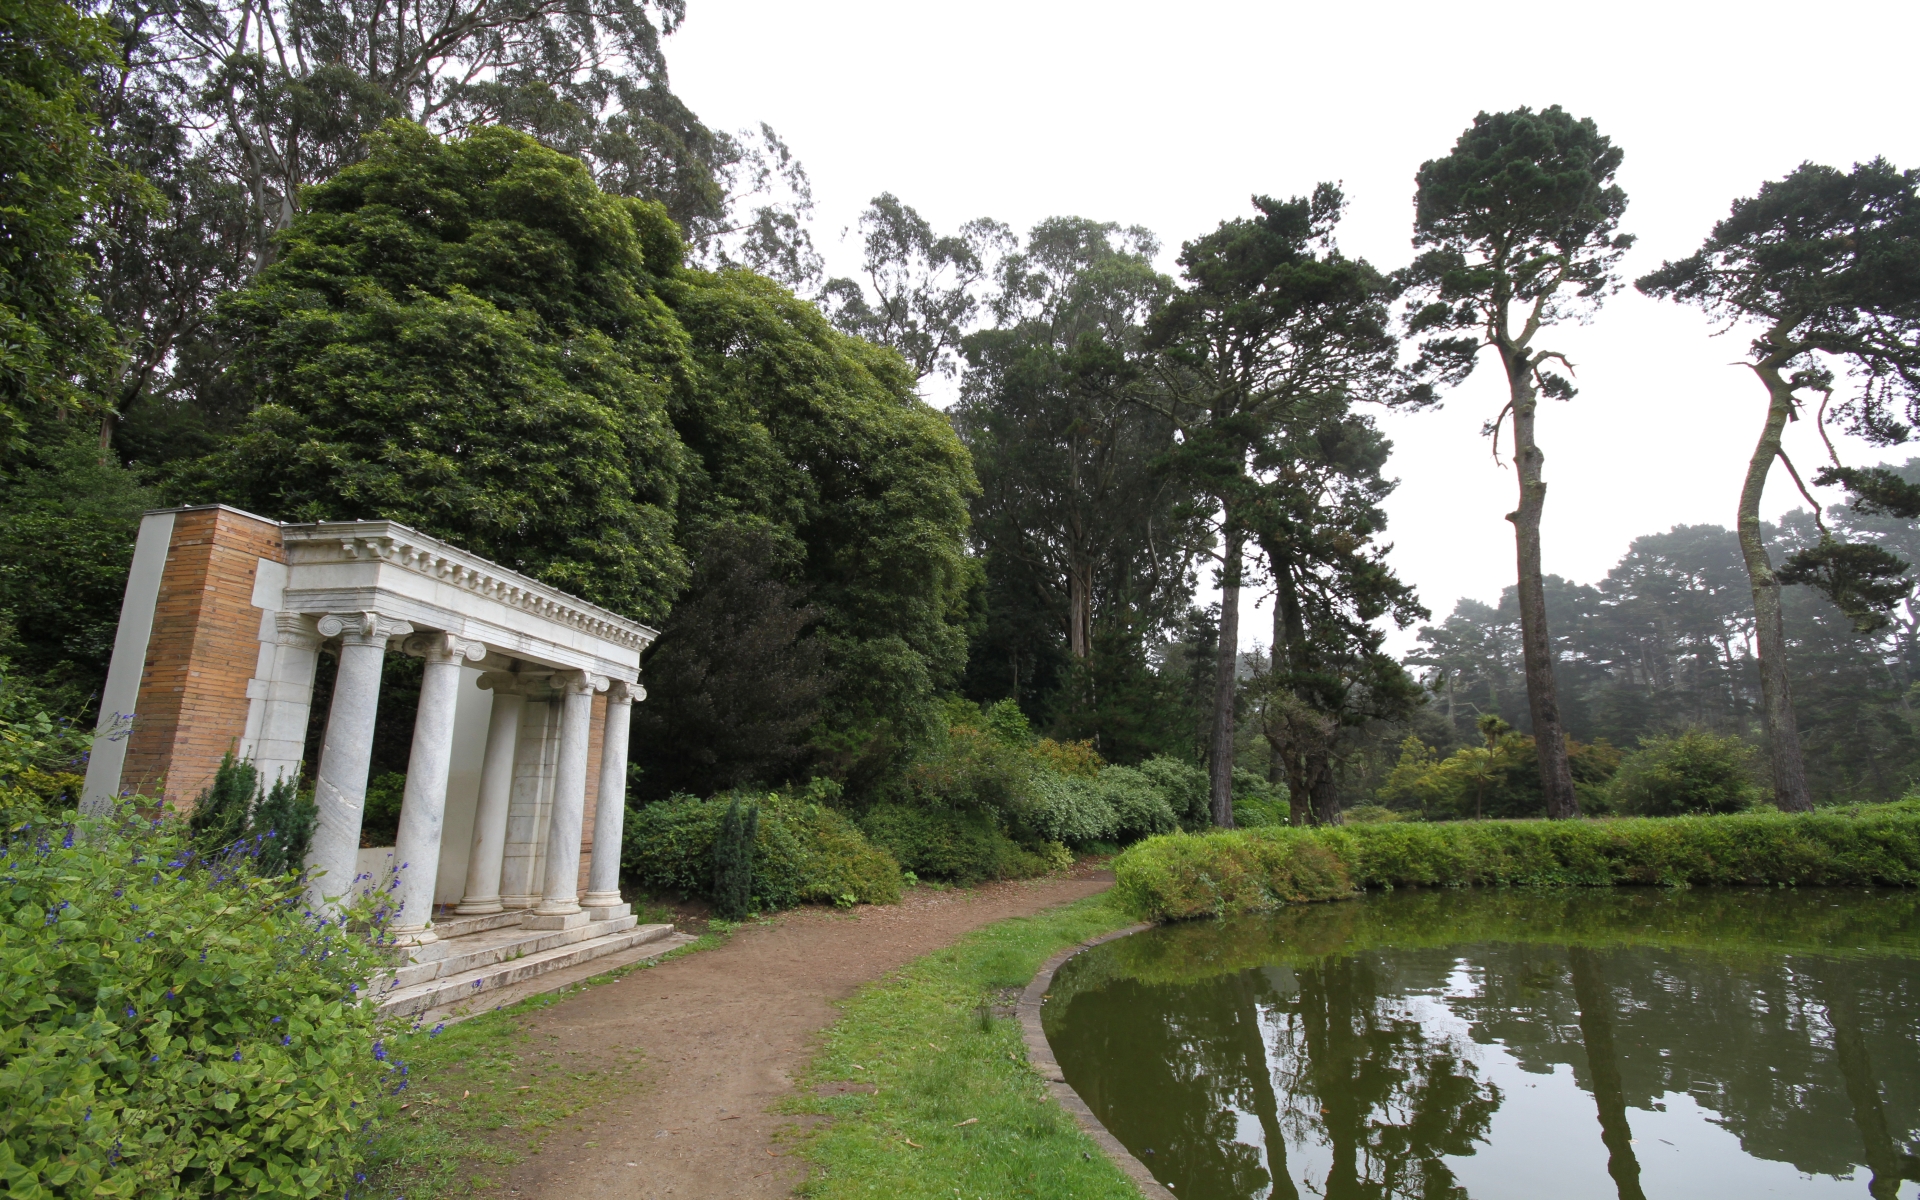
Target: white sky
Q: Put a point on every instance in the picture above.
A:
(1171, 116)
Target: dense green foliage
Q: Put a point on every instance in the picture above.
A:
(1691, 772)
(42, 758)
(273, 824)
(804, 852)
(733, 860)
(1187, 875)
(951, 1081)
(174, 1026)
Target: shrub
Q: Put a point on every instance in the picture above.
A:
(938, 843)
(1068, 758)
(804, 852)
(1140, 809)
(173, 1027)
(283, 821)
(42, 759)
(1186, 875)
(1256, 802)
(733, 860)
(220, 811)
(1068, 809)
(1184, 786)
(1210, 874)
(1693, 772)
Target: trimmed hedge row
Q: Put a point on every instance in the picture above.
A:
(1189, 875)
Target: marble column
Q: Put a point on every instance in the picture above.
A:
(530, 804)
(482, 893)
(423, 808)
(286, 698)
(602, 900)
(559, 906)
(340, 788)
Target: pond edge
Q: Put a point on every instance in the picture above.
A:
(1040, 1057)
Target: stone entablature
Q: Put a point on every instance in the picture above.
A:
(212, 585)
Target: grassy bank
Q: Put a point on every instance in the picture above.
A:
(957, 1111)
(1194, 875)
(484, 1094)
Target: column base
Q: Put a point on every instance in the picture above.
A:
(480, 908)
(572, 920)
(518, 902)
(607, 910)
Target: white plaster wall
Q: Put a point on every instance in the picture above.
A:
(470, 716)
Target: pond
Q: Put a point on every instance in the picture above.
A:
(1505, 1044)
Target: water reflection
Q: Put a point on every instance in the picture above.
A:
(1610, 1045)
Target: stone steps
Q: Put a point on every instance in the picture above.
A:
(469, 952)
(450, 986)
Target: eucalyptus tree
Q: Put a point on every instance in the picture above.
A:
(1517, 229)
(1274, 328)
(1316, 523)
(1827, 264)
(922, 289)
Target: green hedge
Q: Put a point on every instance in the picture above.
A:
(1190, 875)
(170, 1027)
(804, 852)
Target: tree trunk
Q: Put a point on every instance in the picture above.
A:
(1543, 701)
(1770, 632)
(1080, 608)
(1225, 668)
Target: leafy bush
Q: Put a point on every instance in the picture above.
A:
(939, 843)
(804, 852)
(380, 819)
(1694, 772)
(1230, 871)
(42, 758)
(1256, 802)
(1140, 809)
(1186, 875)
(733, 860)
(1068, 809)
(1184, 786)
(174, 1027)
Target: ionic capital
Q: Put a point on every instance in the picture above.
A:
(579, 683)
(622, 692)
(363, 629)
(296, 630)
(441, 646)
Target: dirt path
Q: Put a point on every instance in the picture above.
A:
(725, 1033)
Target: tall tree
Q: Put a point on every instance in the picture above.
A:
(1828, 264)
(922, 288)
(1075, 498)
(1273, 322)
(1316, 522)
(1517, 231)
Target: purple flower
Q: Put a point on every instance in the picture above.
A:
(379, 1052)
(236, 1056)
(286, 1039)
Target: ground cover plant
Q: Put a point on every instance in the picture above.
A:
(956, 1110)
(174, 1025)
(1182, 876)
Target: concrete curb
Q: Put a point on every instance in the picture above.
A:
(1040, 1055)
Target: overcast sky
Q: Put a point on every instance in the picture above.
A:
(1172, 115)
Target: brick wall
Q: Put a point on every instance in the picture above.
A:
(203, 650)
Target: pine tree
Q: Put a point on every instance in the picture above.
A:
(283, 821)
(220, 811)
(733, 861)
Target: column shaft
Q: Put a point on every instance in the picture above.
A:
(610, 807)
(340, 789)
(423, 808)
(496, 792)
(560, 898)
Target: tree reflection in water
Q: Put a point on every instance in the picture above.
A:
(1311, 1055)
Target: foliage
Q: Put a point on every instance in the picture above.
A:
(956, 1108)
(1184, 875)
(220, 811)
(176, 1027)
(1068, 809)
(464, 336)
(1697, 771)
(736, 681)
(1141, 807)
(940, 843)
(817, 439)
(1187, 875)
(284, 817)
(733, 860)
(1183, 786)
(922, 284)
(42, 758)
(803, 852)
(380, 819)
(52, 175)
(1068, 758)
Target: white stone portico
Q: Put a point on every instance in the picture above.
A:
(520, 683)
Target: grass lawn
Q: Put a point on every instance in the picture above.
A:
(958, 1112)
(483, 1094)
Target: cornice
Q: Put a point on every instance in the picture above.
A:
(393, 544)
